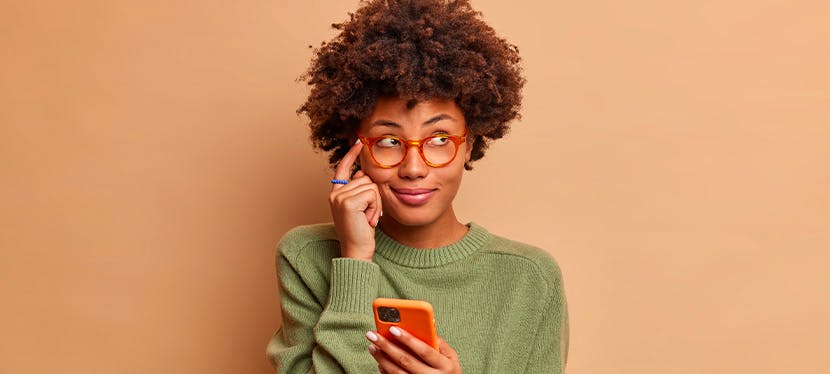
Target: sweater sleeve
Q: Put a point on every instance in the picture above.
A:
(319, 335)
(550, 349)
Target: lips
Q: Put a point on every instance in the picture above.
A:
(413, 196)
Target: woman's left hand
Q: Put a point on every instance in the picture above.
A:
(392, 357)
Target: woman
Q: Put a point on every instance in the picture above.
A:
(405, 98)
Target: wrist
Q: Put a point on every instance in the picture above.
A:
(361, 258)
(358, 253)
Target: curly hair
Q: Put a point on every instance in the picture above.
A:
(417, 50)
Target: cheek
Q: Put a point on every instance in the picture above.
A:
(452, 175)
(365, 162)
(377, 174)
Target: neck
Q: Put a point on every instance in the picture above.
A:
(444, 231)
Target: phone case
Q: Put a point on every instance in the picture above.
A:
(416, 317)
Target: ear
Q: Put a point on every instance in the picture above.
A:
(468, 153)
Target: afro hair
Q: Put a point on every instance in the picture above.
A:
(416, 50)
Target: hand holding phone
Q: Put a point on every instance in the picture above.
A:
(414, 316)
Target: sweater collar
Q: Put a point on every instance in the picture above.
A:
(400, 254)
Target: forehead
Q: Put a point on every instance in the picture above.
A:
(398, 112)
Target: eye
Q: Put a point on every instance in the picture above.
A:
(438, 140)
(388, 143)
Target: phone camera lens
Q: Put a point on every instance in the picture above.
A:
(388, 314)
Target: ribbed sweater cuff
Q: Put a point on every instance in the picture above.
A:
(354, 285)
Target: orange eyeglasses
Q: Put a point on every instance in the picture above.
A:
(437, 151)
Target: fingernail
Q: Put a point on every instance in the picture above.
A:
(372, 348)
(381, 213)
(395, 331)
(371, 336)
(358, 141)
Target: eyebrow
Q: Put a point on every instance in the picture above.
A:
(433, 120)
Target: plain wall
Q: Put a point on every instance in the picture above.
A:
(672, 156)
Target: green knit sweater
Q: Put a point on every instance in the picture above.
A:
(499, 303)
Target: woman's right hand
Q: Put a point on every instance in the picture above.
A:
(355, 208)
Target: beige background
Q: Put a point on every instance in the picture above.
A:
(673, 156)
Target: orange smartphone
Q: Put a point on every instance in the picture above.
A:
(414, 316)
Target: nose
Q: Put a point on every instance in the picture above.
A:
(413, 166)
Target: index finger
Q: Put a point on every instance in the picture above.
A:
(344, 168)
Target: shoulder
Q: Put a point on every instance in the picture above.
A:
(526, 255)
(299, 239)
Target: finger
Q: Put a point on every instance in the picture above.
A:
(344, 167)
(373, 211)
(396, 355)
(363, 198)
(425, 352)
(344, 189)
(385, 364)
(354, 183)
(379, 211)
(446, 350)
(358, 183)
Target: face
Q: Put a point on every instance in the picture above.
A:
(414, 193)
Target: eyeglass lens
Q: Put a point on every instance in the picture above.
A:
(391, 151)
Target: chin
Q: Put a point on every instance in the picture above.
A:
(412, 218)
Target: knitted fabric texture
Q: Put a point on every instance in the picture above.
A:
(499, 303)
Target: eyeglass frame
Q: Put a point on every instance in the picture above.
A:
(456, 139)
